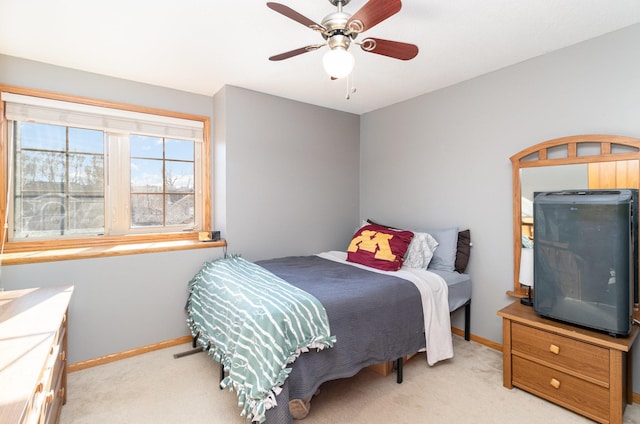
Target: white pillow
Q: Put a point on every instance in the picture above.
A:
(420, 250)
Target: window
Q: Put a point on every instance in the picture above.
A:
(162, 182)
(84, 171)
(58, 182)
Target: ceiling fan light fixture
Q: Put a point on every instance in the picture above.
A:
(338, 62)
(339, 29)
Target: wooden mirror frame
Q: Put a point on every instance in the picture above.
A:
(538, 156)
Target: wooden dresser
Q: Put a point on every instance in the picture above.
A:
(33, 354)
(586, 371)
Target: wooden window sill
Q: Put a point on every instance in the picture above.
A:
(87, 252)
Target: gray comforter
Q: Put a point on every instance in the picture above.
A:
(375, 318)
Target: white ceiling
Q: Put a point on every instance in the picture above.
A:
(200, 45)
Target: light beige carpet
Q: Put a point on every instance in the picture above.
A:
(156, 388)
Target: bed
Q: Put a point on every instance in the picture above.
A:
(374, 316)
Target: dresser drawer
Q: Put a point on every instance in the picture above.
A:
(59, 354)
(571, 355)
(46, 402)
(55, 394)
(53, 401)
(571, 392)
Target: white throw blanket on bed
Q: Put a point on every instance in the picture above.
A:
(434, 293)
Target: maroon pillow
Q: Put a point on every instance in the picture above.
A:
(379, 247)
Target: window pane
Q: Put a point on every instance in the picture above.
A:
(146, 147)
(43, 213)
(40, 172)
(86, 214)
(86, 141)
(179, 177)
(57, 192)
(147, 210)
(173, 172)
(179, 149)
(53, 215)
(180, 209)
(146, 176)
(41, 136)
(86, 174)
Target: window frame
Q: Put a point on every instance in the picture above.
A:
(97, 246)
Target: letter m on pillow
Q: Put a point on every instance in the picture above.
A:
(373, 242)
(379, 247)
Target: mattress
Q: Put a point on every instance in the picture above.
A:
(459, 288)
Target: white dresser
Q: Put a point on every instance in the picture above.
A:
(33, 354)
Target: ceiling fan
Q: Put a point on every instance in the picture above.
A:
(340, 29)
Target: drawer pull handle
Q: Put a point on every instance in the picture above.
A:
(555, 383)
(63, 355)
(554, 349)
(49, 397)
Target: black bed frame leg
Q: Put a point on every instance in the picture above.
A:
(467, 320)
(221, 374)
(189, 352)
(399, 370)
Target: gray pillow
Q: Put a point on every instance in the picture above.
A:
(444, 257)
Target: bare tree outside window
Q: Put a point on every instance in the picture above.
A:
(162, 181)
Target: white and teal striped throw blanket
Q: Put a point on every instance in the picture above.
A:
(254, 324)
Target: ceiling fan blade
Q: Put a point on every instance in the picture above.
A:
(296, 52)
(394, 49)
(292, 14)
(372, 13)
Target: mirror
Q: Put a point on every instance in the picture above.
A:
(588, 161)
(548, 178)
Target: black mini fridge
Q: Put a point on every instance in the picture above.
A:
(586, 258)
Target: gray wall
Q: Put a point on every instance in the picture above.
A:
(291, 175)
(286, 185)
(119, 303)
(446, 154)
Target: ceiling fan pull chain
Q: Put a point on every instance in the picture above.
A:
(353, 84)
(350, 85)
